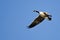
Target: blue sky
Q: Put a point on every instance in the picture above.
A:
(16, 15)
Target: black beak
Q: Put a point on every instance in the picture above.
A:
(36, 11)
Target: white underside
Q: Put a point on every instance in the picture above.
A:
(42, 14)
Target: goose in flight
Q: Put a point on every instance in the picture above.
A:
(40, 18)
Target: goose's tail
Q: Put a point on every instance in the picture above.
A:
(50, 17)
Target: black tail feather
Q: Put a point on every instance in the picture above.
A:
(49, 17)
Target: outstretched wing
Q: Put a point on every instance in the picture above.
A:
(38, 20)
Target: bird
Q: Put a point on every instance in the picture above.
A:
(40, 18)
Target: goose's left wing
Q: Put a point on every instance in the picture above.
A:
(38, 20)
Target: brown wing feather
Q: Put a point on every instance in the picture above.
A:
(38, 20)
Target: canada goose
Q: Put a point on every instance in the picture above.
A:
(40, 18)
